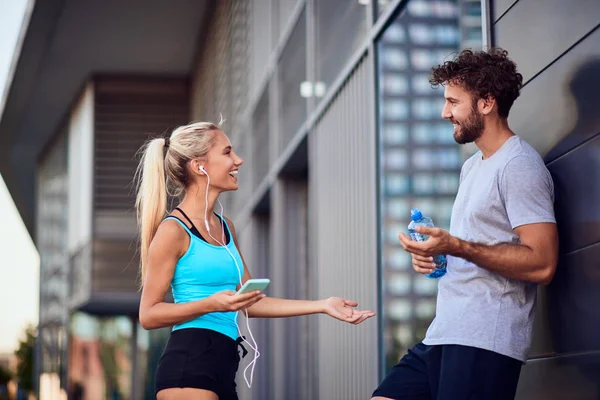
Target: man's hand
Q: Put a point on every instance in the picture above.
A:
(439, 242)
(423, 265)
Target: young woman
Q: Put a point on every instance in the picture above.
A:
(194, 251)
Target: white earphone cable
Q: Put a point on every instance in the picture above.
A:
(254, 347)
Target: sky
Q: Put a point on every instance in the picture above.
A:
(19, 259)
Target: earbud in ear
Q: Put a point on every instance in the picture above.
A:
(202, 169)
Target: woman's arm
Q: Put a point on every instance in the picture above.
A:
(270, 307)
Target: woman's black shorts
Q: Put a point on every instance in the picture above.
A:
(199, 358)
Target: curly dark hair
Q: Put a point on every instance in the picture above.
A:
(483, 74)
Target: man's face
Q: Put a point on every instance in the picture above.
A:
(461, 110)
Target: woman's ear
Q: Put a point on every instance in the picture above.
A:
(196, 167)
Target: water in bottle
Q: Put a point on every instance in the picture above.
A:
(418, 219)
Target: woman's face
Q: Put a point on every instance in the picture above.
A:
(222, 164)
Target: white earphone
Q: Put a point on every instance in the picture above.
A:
(253, 345)
(206, 224)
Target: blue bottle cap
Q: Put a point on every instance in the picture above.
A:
(415, 214)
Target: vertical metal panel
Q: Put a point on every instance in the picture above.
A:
(289, 346)
(221, 80)
(486, 23)
(500, 7)
(563, 68)
(261, 139)
(260, 41)
(128, 111)
(343, 232)
(208, 88)
(552, 34)
(244, 146)
(254, 240)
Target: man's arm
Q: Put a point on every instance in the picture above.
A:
(534, 259)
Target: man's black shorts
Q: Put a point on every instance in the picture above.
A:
(451, 372)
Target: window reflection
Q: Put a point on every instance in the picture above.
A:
(100, 356)
(395, 133)
(419, 159)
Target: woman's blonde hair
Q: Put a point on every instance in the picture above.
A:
(160, 173)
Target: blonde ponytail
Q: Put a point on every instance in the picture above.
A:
(151, 201)
(192, 141)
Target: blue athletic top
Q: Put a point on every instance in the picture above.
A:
(202, 271)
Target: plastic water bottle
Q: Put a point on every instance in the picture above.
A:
(418, 219)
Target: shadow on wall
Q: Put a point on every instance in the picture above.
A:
(574, 295)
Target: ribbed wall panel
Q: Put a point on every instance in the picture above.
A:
(285, 10)
(220, 83)
(260, 41)
(343, 235)
(128, 111)
(254, 238)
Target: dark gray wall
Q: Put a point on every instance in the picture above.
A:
(556, 45)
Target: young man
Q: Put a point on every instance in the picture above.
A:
(502, 242)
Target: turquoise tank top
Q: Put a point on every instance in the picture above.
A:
(202, 271)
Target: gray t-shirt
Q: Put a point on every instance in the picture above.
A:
(476, 307)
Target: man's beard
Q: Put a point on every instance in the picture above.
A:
(471, 129)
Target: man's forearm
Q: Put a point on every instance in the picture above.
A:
(515, 261)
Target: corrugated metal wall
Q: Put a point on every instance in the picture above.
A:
(556, 46)
(301, 233)
(289, 347)
(128, 111)
(255, 238)
(221, 82)
(343, 235)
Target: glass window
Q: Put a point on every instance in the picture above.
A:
(425, 309)
(150, 346)
(341, 26)
(397, 207)
(400, 260)
(423, 184)
(393, 84)
(399, 284)
(400, 309)
(395, 34)
(420, 84)
(396, 159)
(424, 285)
(395, 133)
(395, 110)
(395, 59)
(292, 75)
(420, 160)
(51, 240)
(100, 356)
(396, 184)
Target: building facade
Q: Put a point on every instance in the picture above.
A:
(329, 104)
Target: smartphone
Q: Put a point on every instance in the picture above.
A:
(254, 284)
